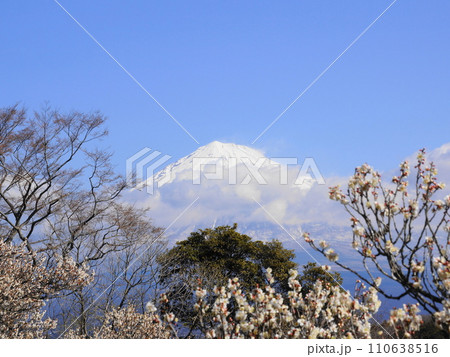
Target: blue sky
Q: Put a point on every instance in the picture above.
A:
(226, 69)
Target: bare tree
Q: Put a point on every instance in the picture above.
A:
(134, 274)
(60, 196)
(37, 170)
(127, 276)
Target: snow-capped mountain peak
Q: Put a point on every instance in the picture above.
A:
(209, 157)
(218, 149)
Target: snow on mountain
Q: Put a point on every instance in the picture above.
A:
(213, 157)
(235, 183)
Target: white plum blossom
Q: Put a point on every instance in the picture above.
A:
(380, 206)
(447, 200)
(404, 168)
(323, 244)
(269, 276)
(331, 255)
(359, 231)
(150, 307)
(169, 317)
(306, 237)
(293, 273)
(406, 319)
(439, 204)
(417, 267)
(337, 195)
(391, 248)
(443, 317)
(200, 293)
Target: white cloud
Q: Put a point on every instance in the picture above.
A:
(290, 205)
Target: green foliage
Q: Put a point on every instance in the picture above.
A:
(212, 256)
(312, 272)
(230, 254)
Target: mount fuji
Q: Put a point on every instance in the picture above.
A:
(216, 159)
(235, 183)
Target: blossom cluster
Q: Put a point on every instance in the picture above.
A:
(402, 232)
(406, 319)
(228, 312)
(324, 312)
(442, 318)
(25, 285)
(128, 323)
